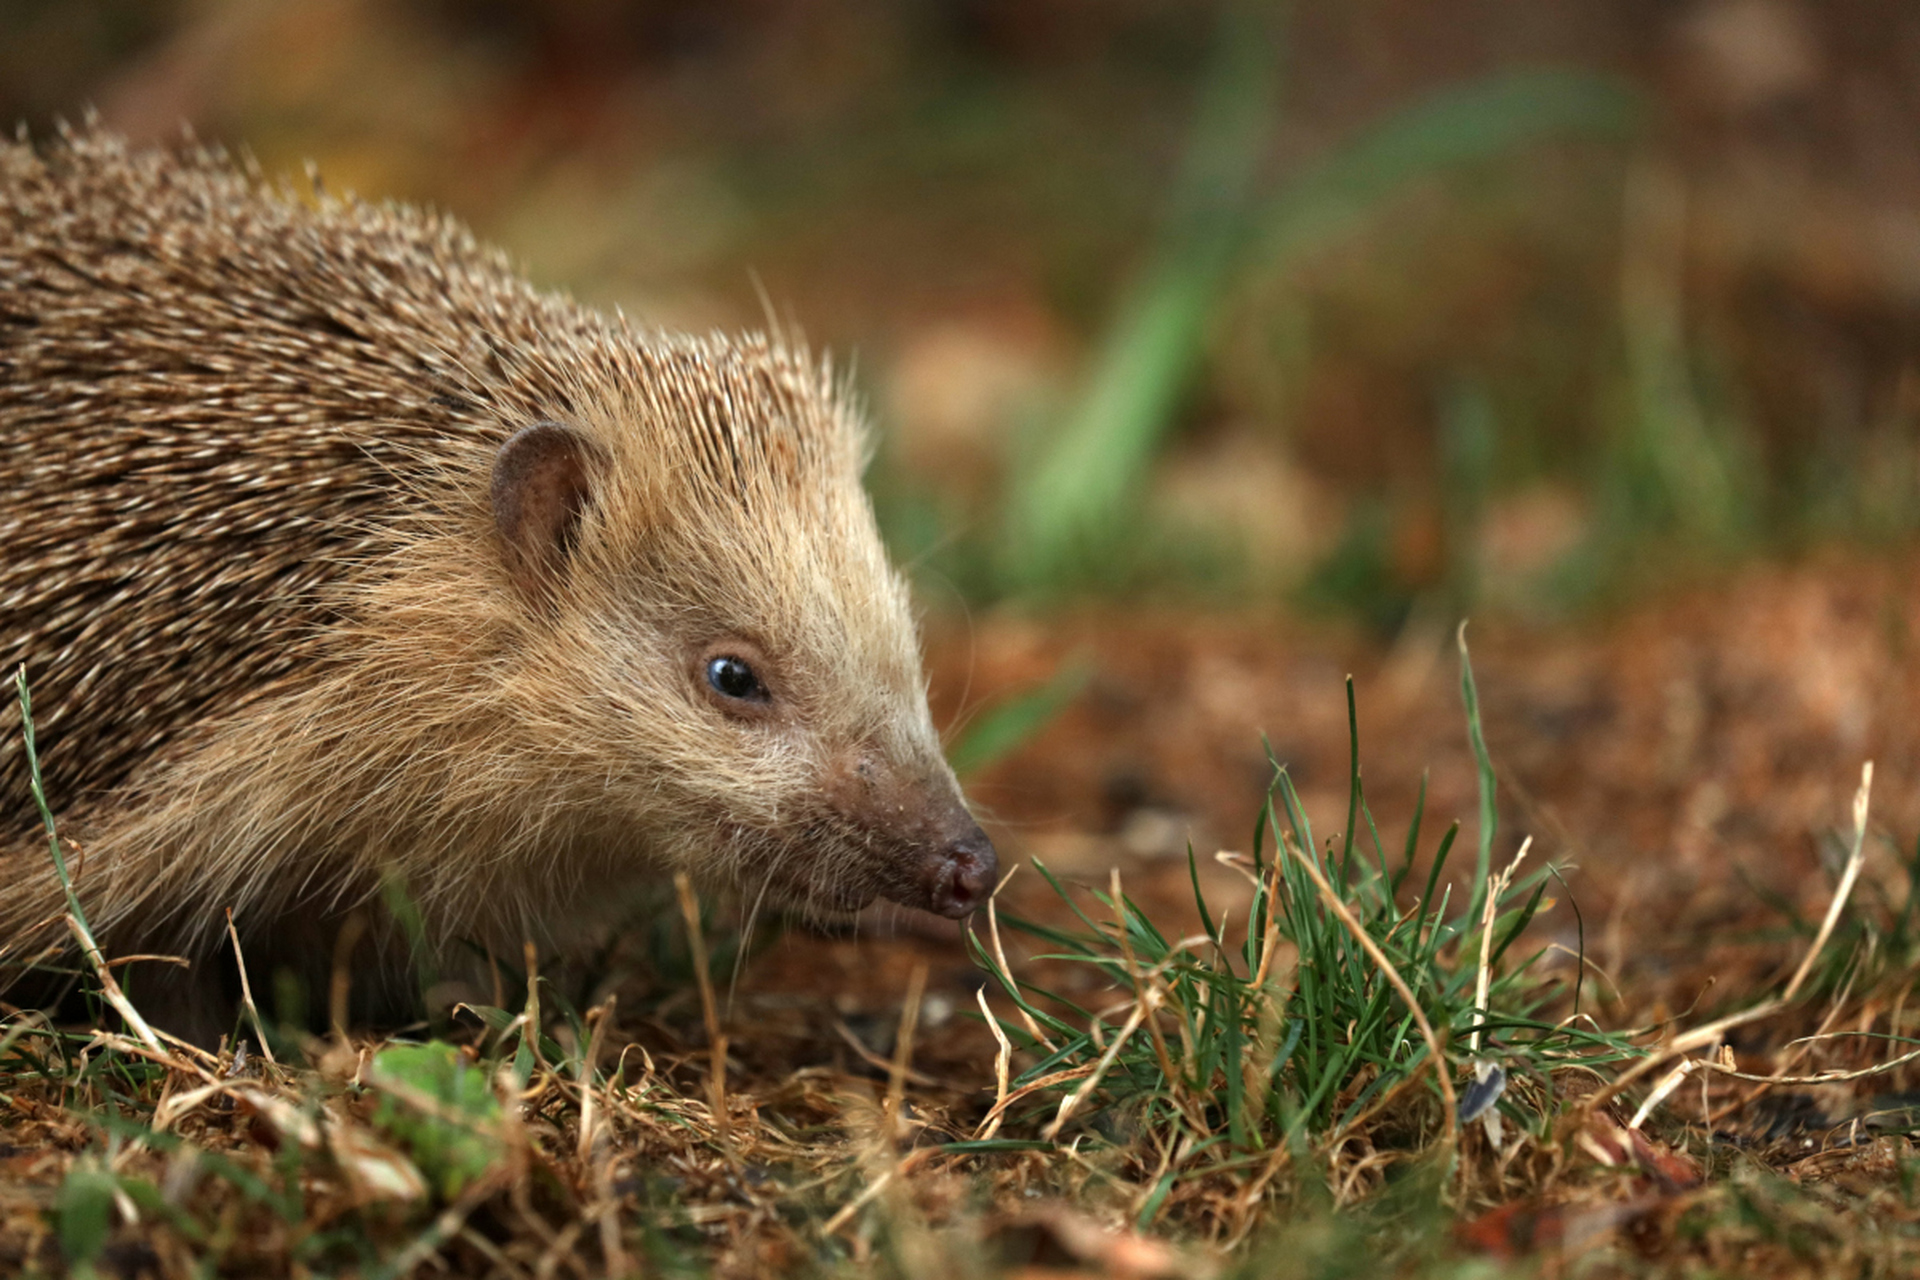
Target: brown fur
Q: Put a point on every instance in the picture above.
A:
(276, 644)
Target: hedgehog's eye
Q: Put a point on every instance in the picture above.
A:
(731, 677)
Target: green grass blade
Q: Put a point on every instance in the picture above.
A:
(1065, 504)
(1200, 902)
(1353, 782)
(1483, 764)
(1471, 123)
(1002, 729)
(1413, 835)
(39, 789)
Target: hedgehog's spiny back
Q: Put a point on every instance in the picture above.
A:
(207, 391)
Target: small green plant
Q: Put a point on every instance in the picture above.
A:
(440, 1108)
(1324, 1011)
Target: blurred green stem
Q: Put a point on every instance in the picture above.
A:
(1686, 465)
(1064, 511)
(1086, 474)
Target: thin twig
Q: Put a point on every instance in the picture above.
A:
(856, 1204)
(1142, 1010)
(1052, 1080)
(1713, 1032)
(1824, 1077)
(530, 1017)
(491, 1251)
(597, 1154)
(903, 1052)
(1002, 1062)
(716, 1041)
(600, 1017)
(246, 990)
(1483, 980)
(1855, 860)
(110, 988)
(872, 1059)
(1000, 954)
(340, 981)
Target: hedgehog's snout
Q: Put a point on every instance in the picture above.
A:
(959, 876)
(926, 849)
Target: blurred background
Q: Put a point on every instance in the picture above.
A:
(1218, 348)
(1377, 309)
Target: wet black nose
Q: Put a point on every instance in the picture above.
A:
(963, 874)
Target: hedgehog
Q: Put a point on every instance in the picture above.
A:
(341, 558)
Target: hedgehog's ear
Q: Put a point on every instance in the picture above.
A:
(543, 480)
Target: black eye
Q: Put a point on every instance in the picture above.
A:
(732, 678)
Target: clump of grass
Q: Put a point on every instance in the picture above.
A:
(1333, 1028)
